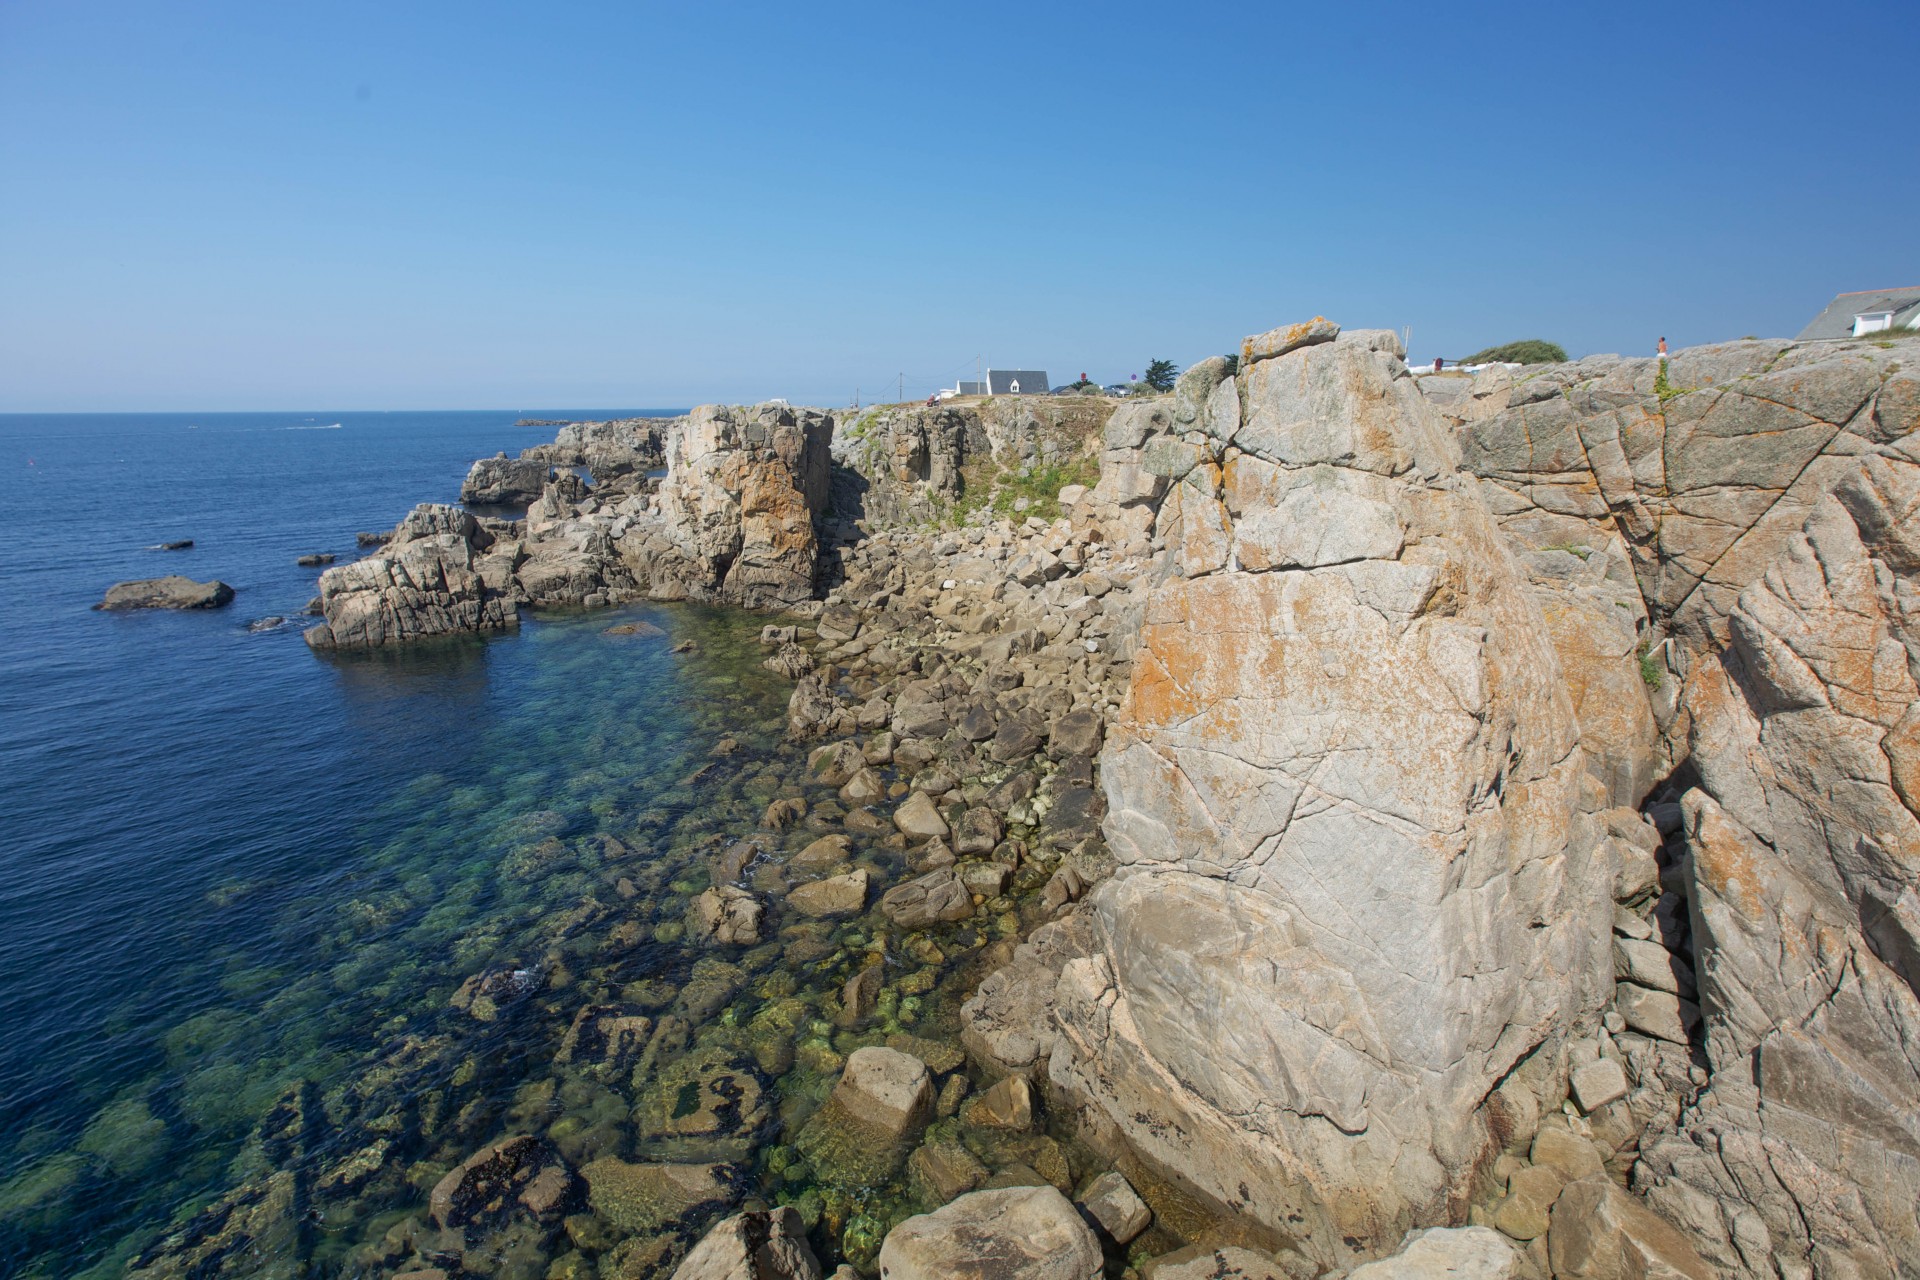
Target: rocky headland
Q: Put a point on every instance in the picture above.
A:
(1323, 821)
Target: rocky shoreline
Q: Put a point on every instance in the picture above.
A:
(1320, 822)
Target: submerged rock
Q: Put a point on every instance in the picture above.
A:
(727, 915)
(514, 1176)
(884, 1098)
(170, 592)
(640, 1199)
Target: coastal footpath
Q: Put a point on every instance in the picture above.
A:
(1362, 824)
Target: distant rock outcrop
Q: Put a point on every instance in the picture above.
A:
(170, 592)
(733, 521)
(426, 581)
(609, 450)
(501, 481)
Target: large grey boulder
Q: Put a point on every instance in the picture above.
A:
(1359, 882)
(1804, 837)
(504, 481)
(761, 1244)
(925, 900)
(1014, 1233)
(170, 592)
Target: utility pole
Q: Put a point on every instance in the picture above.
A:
(856, 399)
(900, 395)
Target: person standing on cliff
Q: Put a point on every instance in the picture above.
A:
(1663, 348)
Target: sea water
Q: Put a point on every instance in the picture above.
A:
(227, 863)
(285, 937)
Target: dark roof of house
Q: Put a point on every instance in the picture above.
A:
(1837, 320)
(1033, 382)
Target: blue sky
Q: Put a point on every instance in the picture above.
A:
(342, 205)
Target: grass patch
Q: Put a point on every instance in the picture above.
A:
(989, 487)
(1653, 672)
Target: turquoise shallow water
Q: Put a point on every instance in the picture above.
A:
(226, 863)
(287, 937)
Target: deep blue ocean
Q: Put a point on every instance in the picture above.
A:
(224, 859)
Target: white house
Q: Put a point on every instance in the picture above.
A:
(1852, 315)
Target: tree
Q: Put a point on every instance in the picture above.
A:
(1526, 351)
(1160, 375)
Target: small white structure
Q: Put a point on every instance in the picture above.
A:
(1854, 315)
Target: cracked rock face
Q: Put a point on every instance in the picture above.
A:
(1706, 475)
(1357, 881)
(742, 489)
(426, 581)
(1804, 1156)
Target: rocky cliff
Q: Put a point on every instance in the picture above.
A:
(609, 450)
(1473, 813)
(912, 464)
(742, 490)
(1804, 893)
(732, 521)
(1704, 464)
(1360, 885)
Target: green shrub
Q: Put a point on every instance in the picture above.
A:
(1526, 351)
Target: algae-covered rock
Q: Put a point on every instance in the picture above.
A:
(126, 1136)
(882, 1101)
(638, 1199)
(604, 1039)
(253, 1230)
(515, 1176)
(708, 1106)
